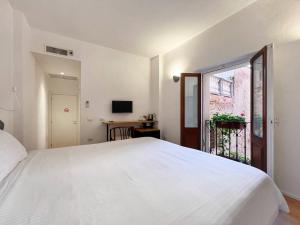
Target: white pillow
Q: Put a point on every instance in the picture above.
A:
(11, 153)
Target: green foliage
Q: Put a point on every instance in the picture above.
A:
(223, 141)
(239, 157)
(227, 117)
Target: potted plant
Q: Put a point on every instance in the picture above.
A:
(228, 121)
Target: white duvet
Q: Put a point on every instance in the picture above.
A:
(136, 182)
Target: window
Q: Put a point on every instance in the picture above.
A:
(221, 86)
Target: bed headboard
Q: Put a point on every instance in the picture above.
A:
(1, 125)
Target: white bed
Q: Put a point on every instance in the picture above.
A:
(141, 181)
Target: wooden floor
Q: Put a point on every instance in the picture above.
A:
(293, 218)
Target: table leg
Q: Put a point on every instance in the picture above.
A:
(107, 128)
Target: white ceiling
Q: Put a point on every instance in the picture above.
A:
(144, 27)
(57, 65)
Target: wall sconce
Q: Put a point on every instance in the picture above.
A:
(176, 78)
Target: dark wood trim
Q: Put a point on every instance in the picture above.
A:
(1, 125)
(182, 91)
(263, 53)
(198, 130)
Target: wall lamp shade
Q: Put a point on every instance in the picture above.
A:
(176, 78)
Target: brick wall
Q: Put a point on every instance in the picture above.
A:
(240, 101)
(237, 104)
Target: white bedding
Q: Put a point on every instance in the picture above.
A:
(136, 182)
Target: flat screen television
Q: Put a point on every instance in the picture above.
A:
(122, 106)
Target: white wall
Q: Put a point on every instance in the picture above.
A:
(26, 82)
(16, 70)
(18, 75)
(63, 86)
(154, 85)
(156, 64)
(6, 65)
(247, 31)
(287, 109)
(42, 108)
(106, 75)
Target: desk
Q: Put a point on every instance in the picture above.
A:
(130, 123)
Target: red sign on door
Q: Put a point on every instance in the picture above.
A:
(66, 110)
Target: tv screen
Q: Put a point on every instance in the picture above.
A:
(122, 106)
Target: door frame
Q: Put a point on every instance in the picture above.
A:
(264, 153)
(270, 98)
(270, 113)
(50, 117)
(182, 108)
(269, 117)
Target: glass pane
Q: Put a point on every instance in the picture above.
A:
(191, 102)
(258, 97)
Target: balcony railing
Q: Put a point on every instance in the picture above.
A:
(231, 141)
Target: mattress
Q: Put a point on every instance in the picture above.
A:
(141, 181)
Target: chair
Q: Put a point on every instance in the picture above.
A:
(121, 132)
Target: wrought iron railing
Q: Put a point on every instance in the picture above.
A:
(232, 142)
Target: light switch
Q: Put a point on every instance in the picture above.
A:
(276, 121)
(87, 104)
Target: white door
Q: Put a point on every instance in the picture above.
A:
(64, 124)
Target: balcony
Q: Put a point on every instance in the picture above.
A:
(230, 140)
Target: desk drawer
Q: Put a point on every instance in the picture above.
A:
(141, 132)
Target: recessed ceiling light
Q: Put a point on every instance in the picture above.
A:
(62, 73)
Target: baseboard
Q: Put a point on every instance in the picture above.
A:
(291, 195)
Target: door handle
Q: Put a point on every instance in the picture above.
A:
(75, 122)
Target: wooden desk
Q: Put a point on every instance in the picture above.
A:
(129, 123)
